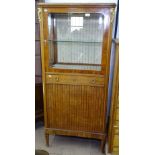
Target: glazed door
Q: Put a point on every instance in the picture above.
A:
(76, 42)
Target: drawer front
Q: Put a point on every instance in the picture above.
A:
(75, 79)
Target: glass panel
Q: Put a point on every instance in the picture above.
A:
(75, 40)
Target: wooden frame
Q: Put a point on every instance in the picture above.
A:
(79, 9)
(75, 84)
(113, 132)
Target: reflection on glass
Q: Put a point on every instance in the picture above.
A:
(76, 23)
(75, 40)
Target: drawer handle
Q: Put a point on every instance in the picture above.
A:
(93, 81)
(56, 79)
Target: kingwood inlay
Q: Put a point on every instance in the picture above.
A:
(75, 48)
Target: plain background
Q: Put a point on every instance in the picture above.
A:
(137, 76)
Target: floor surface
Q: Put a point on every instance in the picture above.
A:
(63, 145)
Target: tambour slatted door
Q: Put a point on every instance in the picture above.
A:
(69, 104)
(75, 47)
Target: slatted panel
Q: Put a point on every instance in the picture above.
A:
(73, 107)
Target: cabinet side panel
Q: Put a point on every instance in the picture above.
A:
(75, 107)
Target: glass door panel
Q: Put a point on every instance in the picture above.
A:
(75, 40)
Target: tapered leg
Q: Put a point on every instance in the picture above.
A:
(47, 139)
(103, 142)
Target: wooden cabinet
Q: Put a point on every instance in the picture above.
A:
(113, 134)
(75, 51)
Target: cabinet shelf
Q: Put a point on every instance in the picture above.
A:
(70, 41)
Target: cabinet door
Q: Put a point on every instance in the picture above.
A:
(75, 107)
(76, 41)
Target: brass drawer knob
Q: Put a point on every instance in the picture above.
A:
(93, 81)
(57, 79)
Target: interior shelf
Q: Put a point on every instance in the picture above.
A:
(76, 41)
(81, 67)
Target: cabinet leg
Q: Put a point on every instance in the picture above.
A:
(103, 142)
(47, 139)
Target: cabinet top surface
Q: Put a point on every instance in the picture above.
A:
(83, 5)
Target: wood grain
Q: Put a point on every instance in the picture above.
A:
(113, 134)
(75, 79)
(72, 107)
(77, 5)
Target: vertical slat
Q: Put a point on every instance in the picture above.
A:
(59, 104)
(69, 119)
(56, 108)
(82, 105)
(93, 104)
(53, 105)
(49, 104)
(87, 107)
(85, 103)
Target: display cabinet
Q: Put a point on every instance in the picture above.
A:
(75, 51)
(113, 132)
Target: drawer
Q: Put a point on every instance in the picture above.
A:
(75, 79)
(116, 140)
